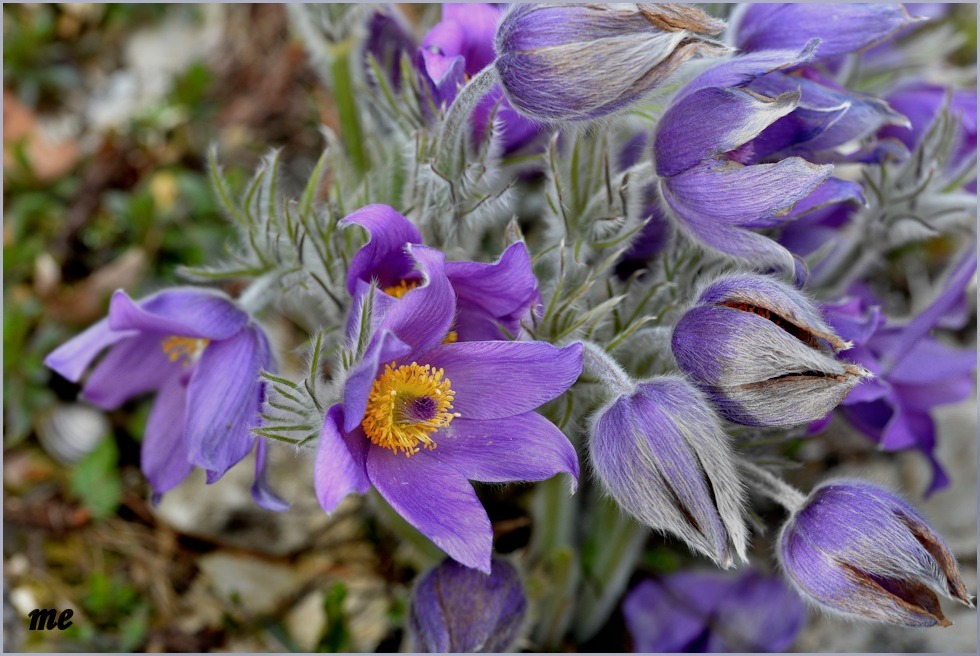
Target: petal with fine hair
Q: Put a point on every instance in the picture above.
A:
(340, 462)
(383, 257)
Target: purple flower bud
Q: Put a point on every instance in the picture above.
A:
(579, 62)
(663, 456)
(762, 352)
(853, 548)
(458, 609)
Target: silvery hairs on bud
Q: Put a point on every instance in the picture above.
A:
(576, 62)
(762, 352)
(663, 456)
(856, 549)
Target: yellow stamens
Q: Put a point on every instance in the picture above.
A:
(407, 404)
(402, 288)
(451, 337)
(188, 348)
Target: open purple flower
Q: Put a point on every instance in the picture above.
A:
(761, 351)
(491, 299)
(709, 612)
(456, 49)
(853, 548)
(202, 355)
(458, 609)
(662, 454)
(420, 418)
(914, 371)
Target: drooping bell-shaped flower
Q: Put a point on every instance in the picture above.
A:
(202, 355)
(462, 610)
(662, 455)
(856, 549)
(575, 62)
(709, 612)
(761, 351)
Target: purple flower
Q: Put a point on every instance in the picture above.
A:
(491, 299)
(709, 612)
(456, 49)
(761, 351)
(893, 408)
(389, 39)
(663, 456)
(202, 355)
(458, 609)
(712, 196)
(855, 549)
(842, 28)
(827, 116)
(579, 62)
(420, 418)
(921, 103)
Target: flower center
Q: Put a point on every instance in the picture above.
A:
(187, 348)
(402, 288)
(407, 404)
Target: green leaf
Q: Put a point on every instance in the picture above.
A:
(96, 480)
(336, 637)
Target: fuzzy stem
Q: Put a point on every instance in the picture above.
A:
(600, 364)
(773, 486)
(448, 159)
(258, 294)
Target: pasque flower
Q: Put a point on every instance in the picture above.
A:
(491, 299)
(856, 549)
(710, 612)
(456, 49)
(713, 197)
(762, 352)
(661, 453)
(574, 62)
(458, 609)
(420, 417)
(893, 409)
(202, 355)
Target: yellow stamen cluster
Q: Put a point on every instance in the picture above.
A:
(187, 348)
(402, 288)
(451, 337)
(389, 421)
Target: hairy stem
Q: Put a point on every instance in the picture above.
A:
(772, 486)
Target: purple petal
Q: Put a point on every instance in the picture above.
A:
(727, 193)
(713, 121)
(223, 401)
(500, 292)
(495, 380)
(526, 447)
(833, 191)
(163, 454)
(134, 366)
(478, 24)
(72, 358)
(383, 257)
(437, 500)
(261, 492)
(184, 312)
(741, 69)
(423, 316)
(340, 462)
(384, 348)
(841, 28)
